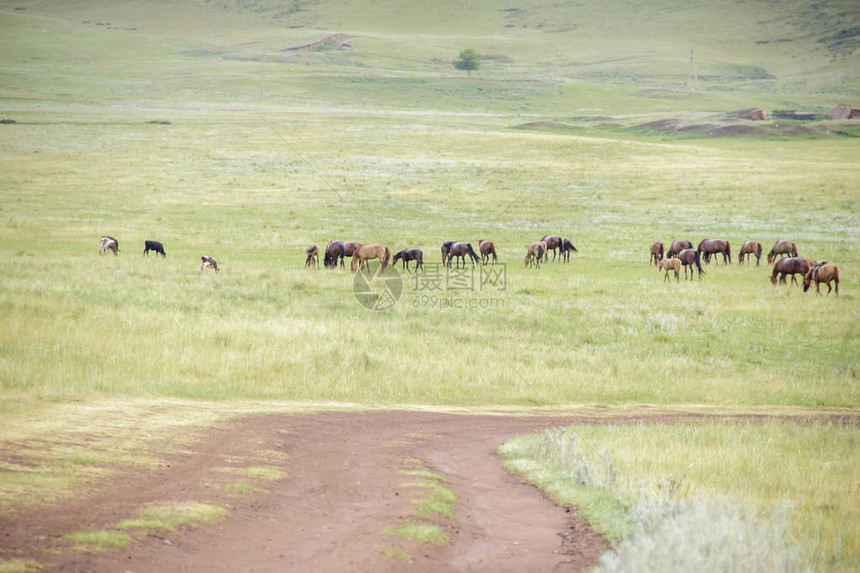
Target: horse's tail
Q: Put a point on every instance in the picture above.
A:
(699, 264)
(794, 250)
(493, 251)
(729, 251)
(387, 257)
(472, 252)
(759, 250)
(836, 279)
(662, 251)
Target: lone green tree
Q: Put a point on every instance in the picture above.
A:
(468, 60)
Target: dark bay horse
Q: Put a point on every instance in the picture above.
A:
(553, 243)
(366, 252)
(334, 251)
(566, 248)
(782, 248)
(710, 247)
(822, 273)
(678, 246)
(409, 255)
(534, 254)
(657, 253)
(446, 246)
(791, 266)
(488, 249)
(750, 248)
(461, 251)
(691, 258)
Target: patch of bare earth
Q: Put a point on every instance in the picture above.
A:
(344, 486)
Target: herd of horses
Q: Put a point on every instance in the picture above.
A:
(453, 252)
(681, 254)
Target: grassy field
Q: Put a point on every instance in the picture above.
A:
(194, 125)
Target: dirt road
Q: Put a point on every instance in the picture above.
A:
(345, 481)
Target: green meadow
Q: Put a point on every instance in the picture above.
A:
(193, 123)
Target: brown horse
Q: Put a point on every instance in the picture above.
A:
(566, 248)
(334, 251)
(791, 266)
(657, 253)
(750, 248)
(461, 251)
(366, 252)
(670, 265)
(783, 248)
(534, 254)
(553, 242)
(313, 258)
(691, 258)
(409, 255)
(710, 247)
(678, 246)
(488, 249)
(822, 273)
(446, 246)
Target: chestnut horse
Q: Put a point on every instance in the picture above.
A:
(366, 252)
(710, 247)
(409, 255)
(313, 258)
(822, 273)
(791, 266)
(783, 248)
(488, 249)
(750, 248)
(691, 258)
(657, 253)
(536, 251)
(553, 242)
(678, 246)
(670, 265)
(566, 247)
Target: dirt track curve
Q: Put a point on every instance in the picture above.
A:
(343, 486)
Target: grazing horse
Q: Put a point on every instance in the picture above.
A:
(710, 247)
(678, 246)
(657, 253)
(108, 244)
(750, 248)
(782, 248)
(553, 242)
(488, 249)
(566, 247)
(536, 251)
(691, 258)
(671, 265)
(366, 252)
(823, 272)
(409, 255)
(333, 251)
(446, 248)
(791, 266)
(208, 262)
(313, 258)
(461, 251)
(154, 246)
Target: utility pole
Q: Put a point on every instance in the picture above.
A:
(692, 76)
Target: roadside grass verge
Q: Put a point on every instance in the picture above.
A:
(154, 517)
(791, 487)
(434, 503)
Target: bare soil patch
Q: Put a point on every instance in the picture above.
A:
(344, 484)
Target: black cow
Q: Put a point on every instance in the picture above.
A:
(154, 246)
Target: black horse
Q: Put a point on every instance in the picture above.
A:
(409, 255)
(566, 248)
